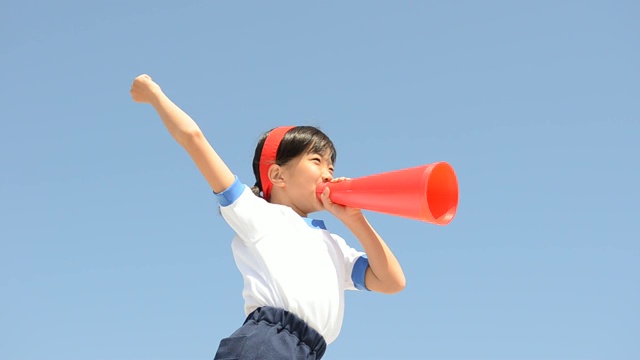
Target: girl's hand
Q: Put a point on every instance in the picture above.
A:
(143, 89)
(343, 213)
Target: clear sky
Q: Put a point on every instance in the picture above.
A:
(112, 247)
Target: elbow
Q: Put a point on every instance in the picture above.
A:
(189, 136)
(396, 286)
(399, 286)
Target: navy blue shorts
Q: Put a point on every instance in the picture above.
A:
(272, 333)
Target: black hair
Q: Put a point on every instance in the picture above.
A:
(299, 140)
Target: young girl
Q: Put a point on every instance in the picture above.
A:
(294, 270)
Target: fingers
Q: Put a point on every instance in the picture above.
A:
(141, 88)
(325, 193)
(338, 179)
(324, 197)
(143, 77)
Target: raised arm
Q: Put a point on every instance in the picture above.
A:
(185, 131)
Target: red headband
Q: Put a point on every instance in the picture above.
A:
(268, 157)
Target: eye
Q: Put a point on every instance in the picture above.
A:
(316, 159)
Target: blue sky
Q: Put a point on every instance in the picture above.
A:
(111, 245)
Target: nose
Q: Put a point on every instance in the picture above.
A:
(326, 177)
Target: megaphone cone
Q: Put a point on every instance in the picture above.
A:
(427, 193)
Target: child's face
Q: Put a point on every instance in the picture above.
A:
(302, 175)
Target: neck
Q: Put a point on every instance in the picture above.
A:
(280, 199)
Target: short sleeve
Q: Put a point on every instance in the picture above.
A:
(355, 265)
(248, 215)
(231, 194)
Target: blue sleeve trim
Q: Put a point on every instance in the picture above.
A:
(231, 194)
(358, 272)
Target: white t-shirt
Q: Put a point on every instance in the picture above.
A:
(291, 262)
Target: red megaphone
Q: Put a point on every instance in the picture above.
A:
(427, 193)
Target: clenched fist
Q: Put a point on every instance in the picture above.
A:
(143, 89)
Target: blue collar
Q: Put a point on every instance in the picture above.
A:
(315, 223)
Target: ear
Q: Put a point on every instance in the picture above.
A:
(275, 174)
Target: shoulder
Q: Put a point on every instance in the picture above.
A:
(251, 216)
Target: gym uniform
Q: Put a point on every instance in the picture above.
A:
(295, 273)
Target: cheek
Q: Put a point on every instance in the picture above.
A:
(308, 181)
(306, 177)
(309, 173)
(314, 176)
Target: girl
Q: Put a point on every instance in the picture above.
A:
(294, 271)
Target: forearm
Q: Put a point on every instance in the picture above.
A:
(180, 125)
(386, 273)
(187, 133)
